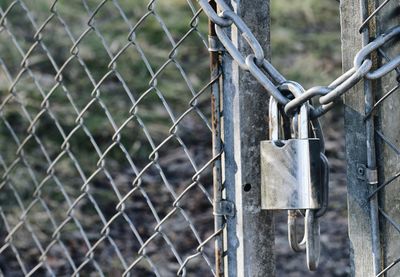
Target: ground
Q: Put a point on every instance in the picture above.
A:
(120, 142)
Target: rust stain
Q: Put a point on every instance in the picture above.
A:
(218, 263)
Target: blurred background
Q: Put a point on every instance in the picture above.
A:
(305, 42)
(107, 128)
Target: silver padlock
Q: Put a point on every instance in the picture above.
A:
(290, 169)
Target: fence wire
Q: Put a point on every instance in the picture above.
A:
(105, 155)
(381, 120)
(105, 125)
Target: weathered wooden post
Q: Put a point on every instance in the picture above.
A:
(250, 235)
(374, 242)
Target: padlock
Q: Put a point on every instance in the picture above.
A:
(290, 168)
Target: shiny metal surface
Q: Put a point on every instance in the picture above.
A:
(290, 177)
(290, 169)
(270, 78)
(364, 68)
(295, 173)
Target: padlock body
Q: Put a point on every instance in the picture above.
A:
(291, 174)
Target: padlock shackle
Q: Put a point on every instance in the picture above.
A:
(311, 240)
(325, 186)
(312, 235)
(301, 148)
(295, 244)
(274, 119)
(297, 90)
(302, 121)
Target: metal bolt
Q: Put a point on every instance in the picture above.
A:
(361, 170)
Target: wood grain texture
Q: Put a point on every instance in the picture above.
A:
(388, 122)
(358, 191)
(250, 234)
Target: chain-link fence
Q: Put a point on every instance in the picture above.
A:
(111, 140)
(105, 131)
(371, 125)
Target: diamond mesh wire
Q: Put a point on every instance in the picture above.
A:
(386, 113)
(105, 154)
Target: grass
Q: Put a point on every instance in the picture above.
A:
(304, 40)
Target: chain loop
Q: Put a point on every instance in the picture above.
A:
(264, 80)
(213, 16)
(374, 45)
(247, 35)
(385, 69)
(292, 97)
(270, 78)
(347, 84)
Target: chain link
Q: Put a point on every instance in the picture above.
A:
(276, 85)
(270, 78)
(100, 173)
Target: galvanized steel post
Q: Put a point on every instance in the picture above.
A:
(250, 232)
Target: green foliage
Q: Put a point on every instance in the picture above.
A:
(305, 40)
(91, 98)
(126, 81)
(305, 46)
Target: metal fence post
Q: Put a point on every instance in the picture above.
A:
(250, 235)
(371, 241)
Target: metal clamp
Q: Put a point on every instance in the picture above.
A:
(224, 208)
(367, 174)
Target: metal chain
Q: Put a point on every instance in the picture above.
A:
(45, 208)
(270, 78)
(277, 86)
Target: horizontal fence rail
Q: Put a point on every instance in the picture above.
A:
(105, 128)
